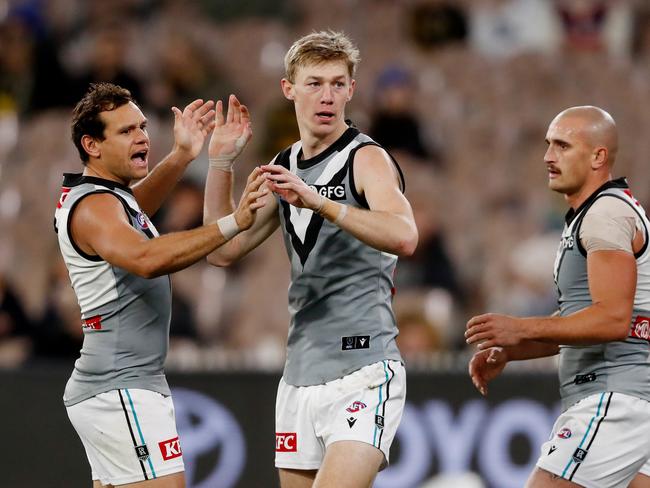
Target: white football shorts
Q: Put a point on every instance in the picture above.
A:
(602, 441)
(129, 435)
(364, 406)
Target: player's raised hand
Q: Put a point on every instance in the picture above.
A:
(252, 199)
(485, 366)
(291, 188)
(231, 133)
(192, 126)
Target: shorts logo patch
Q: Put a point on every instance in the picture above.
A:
(142, 452)
(551, 450)
(351, 421)
(564, 433)
(579, 455)
(356, 406)
(355, 342)
(170, 449)
(286, 442)
(379, 421)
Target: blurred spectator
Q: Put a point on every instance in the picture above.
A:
(14, 327)
(504, 28)
(107, 56)
(31, 76)
(58, 333)
(394, 123)
(435, 24)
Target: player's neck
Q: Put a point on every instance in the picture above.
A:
(314, 144)
(581, 196)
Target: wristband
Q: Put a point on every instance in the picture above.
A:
(228, 226)
(342, 213)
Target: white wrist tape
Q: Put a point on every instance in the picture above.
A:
(225, 162)
(342, 213)
(228, 226)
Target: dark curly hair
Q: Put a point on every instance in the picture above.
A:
(100, 97)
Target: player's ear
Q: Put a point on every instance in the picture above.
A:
(90, 146)
(287, 88)
(351, 89)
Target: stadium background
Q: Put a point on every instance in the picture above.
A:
(461, 92)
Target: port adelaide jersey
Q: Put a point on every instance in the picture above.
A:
(341, 289)
(618, 366)
(125, 318)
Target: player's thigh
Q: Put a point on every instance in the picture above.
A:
(296, 478)
(540, 478)
(176, 480)
(349, 464)
(640, 481)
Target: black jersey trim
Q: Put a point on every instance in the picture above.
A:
(315, 223)
(346, 138)
(128, 423)
(361, 199)
(75, 179)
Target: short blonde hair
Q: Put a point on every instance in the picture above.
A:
(319, 47)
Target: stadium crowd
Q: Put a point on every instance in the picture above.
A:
(459, 91)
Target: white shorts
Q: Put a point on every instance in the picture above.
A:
(365, 406)
(600, 442)
(129, 435)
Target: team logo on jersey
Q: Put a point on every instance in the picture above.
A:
(333, 192)
(355, 342)
(579, 455)
(356, 406)
(170, 449)
(286, 442)
(142, 452)
(564, 433)
(142, 220)
(641, 328)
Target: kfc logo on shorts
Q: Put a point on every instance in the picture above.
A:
(564, 433)
(170, 449)
(356, 406)
(641, 328)
(92, 323)
(286, 442)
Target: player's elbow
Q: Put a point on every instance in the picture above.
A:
(407, 244)
(621, 320)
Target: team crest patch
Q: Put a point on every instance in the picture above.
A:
(564, 433)
(379, 421)
(142, 221)
(142, 452)
(356, 406)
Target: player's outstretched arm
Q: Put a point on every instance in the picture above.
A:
(388, 225)
(231, 133)
(100, 226)
(191, 127)
(612, 284)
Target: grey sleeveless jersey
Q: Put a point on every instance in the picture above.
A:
(341, 289)
(125, 318)
(620, 366)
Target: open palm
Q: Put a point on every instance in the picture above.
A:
(232, 132)
(192, 126)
